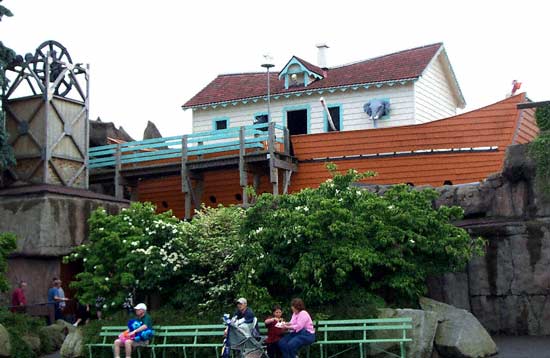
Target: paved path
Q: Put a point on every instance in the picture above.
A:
(523, 347)
(509, 347)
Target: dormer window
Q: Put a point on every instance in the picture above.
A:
(299, 73)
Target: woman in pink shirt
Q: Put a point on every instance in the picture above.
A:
(301, 325)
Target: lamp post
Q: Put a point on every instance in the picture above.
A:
(267, 66)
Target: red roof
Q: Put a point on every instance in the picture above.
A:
(407, 64)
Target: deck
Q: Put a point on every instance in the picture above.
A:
(255, 148)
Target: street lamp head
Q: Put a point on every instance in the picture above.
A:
(267, 65)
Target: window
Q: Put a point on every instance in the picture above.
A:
(261, 119)
(220, 123)
(297, 121)
(335, 114)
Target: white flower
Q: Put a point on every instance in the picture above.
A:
(411, 241)
(106, 278)
(100, 229)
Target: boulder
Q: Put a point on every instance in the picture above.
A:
(73, 345)
(459, 334)
(5, 344)
(55, 334)
(33, 342)
(423, 332)
(151, 131)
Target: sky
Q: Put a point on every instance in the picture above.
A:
(147, 58)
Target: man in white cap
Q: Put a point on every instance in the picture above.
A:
(244, 317)
(147, 322)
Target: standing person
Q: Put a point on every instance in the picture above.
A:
(302, 331)
(147, 323)
(275, 331)
(61, 293)
(18, 299)
(54, 299)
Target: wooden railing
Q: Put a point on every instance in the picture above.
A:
(258, 136)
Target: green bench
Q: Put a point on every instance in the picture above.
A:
(350, 334)
(108, 336)
(355, 333)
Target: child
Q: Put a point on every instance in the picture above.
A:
(275, 331)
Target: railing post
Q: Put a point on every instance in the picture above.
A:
(273, 171)
(185, 177)
(119, 189)
(286, 135)
(242, 166)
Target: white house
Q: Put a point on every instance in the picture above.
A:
(418, 84)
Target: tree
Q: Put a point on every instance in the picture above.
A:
(7, 55)
(340, 243)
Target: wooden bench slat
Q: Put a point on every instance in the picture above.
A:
(364, 328)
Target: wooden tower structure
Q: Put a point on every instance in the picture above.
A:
(46, 108)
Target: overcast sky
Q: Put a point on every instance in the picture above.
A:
(147, 58)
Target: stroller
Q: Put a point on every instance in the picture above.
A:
(243, 339)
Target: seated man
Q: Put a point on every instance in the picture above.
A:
(147, 323)
(244, 318)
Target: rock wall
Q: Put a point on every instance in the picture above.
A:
(49, 222)
(508, 289)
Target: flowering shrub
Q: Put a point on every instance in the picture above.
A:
(341, 241)
(139, 252)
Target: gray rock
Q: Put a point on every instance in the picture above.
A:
(151, 131)
(459, 334)
(470, 198)
(73, 345)
(5, 343)
(517, 164)
(55, 334)
(33, 342)
(100, 131)
(422, 334)
(452, 288)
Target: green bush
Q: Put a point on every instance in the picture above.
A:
(539, 150)
(8, 243)
(187, 264)
(542, 115)
(340, 242)
(18, 325)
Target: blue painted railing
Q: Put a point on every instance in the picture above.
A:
(255, 137)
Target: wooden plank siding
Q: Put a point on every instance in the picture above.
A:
(527, 128)
(434, 97)
(493, 126)
(221, 185)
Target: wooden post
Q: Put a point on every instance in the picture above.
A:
(286, 181)
(185, 177)
(286, 135)
(87, 128)
(242, 166)
(48, 92)
(273, 171)
(119, 189)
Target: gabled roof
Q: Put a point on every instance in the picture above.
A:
(310, 67)
(399, 66)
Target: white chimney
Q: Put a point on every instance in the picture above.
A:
(322, 55)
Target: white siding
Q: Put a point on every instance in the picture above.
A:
(401, 109)
(433, 94)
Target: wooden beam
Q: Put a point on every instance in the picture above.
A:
(533, 104)
(119, 189)
(243, 177)
(286, 181)
(285, 165)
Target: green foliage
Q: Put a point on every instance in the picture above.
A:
(338, 240)
(140, 252)
(7, 55)
(8, 243)
(19, 325)
(539, 150)
(542, 115)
